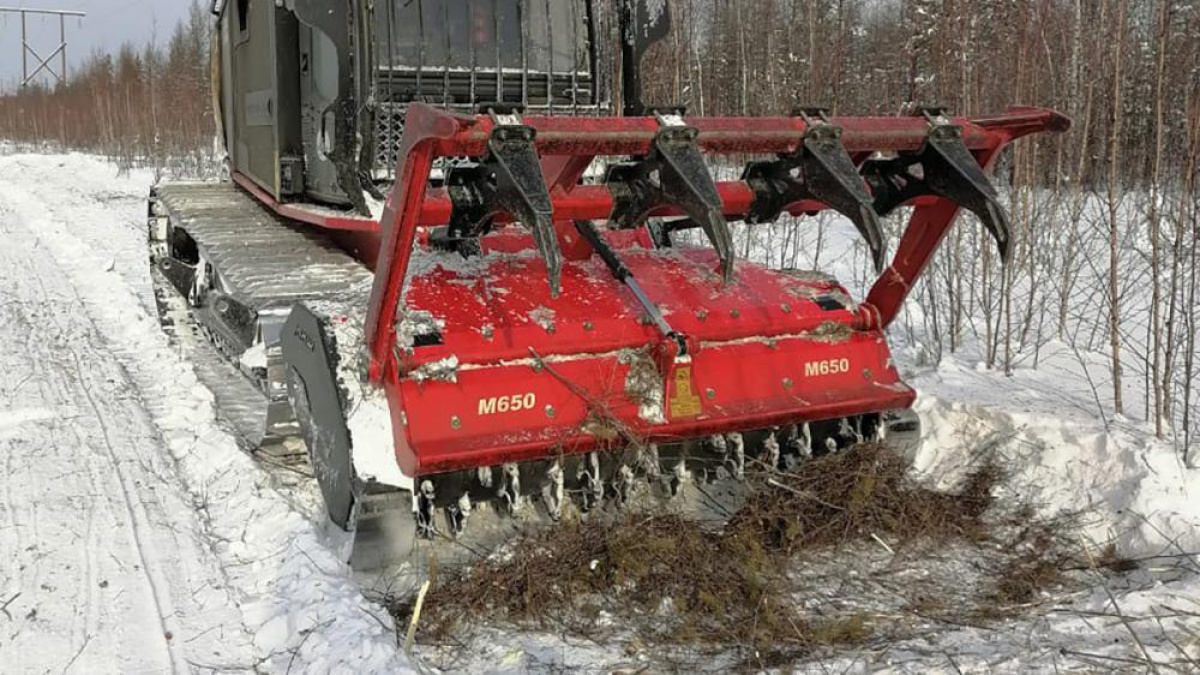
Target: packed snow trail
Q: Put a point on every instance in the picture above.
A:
(135, 537)
(98, 539)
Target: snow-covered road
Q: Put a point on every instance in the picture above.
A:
(134, 535)
(113, 570)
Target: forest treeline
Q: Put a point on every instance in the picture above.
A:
(140, 103)
(1106, 215)
(1126, 71)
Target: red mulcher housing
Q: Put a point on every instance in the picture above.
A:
(747, 347)
(581, 351)
(537, 331)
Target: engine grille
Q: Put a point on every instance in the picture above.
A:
(463, 91)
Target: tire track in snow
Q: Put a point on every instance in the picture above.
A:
(296, 595)
(108, 465)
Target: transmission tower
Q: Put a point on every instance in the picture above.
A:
(27, 49)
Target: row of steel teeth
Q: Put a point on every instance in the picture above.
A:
(779, 450)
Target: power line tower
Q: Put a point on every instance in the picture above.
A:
(27, 49)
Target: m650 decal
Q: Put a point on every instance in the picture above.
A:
(826, 367)
(507, 404)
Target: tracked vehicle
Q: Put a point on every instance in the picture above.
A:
(447, 264)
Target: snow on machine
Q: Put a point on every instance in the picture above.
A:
(445, 264)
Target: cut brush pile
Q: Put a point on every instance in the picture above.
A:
(660, 580)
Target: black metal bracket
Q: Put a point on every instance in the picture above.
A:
(507, 179)
(621, 273)
(819, 170)
(673, 174)
(943, 167)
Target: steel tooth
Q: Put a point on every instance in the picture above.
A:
(801, 445)
(521, 190)
(820, 170)
(831, 445)
(623, 485)
(687, 182)
(736, 459)
(553, 491)
(846, 430)
(425, 510)
(714, 225)
(647, 460)
(673, 174)
(770, 455)
(958, 176)
(547, 244)
(679, 475)
(869, 227)
(484, 475)
(510, 488)
(717, 441)
(832, 178)
(948, 170)
(457, 514)
(589, 478)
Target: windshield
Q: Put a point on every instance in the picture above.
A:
(537, 35)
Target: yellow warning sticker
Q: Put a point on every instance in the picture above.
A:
(682, 400)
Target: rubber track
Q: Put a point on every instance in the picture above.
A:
(240, 403)
(263, 260)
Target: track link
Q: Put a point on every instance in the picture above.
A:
(226, 273)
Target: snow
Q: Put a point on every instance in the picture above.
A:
(136, 537)
(130, 514)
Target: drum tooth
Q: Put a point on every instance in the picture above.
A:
(510, 487)
(552, 492)
(735, 460)
(799, 446)
(623, 485)
(770, 453)
(425, 510)
(846, 429)
(806, 441)
(718, 444)
(457, 514)
(679, 475)
(589, 479)
(647, 461)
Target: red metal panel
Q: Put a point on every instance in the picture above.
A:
(738, 386)
(321, 217)
(492, 311)
(422, 127)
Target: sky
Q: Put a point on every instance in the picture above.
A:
(108, 23)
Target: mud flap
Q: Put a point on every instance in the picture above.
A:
(310, 351)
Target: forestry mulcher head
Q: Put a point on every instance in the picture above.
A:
(543, 341)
